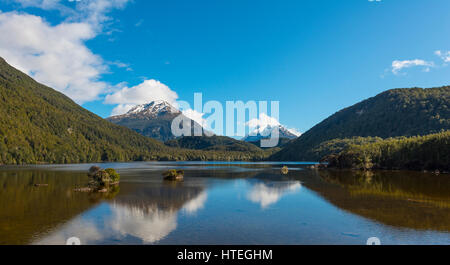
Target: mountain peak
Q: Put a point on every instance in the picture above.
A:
(153, 108)
(153, 119)
(264, 131)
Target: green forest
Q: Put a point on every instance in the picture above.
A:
(393, 113)
(41, 125)
(430, 152)
(216, 143)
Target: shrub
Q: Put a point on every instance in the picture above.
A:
(113, 175)
(173, 174)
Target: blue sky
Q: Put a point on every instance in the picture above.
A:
(315, 57)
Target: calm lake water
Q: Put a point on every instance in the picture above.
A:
(224, 203)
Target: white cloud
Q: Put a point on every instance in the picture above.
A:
(121, 109)
(397, 65)
(444, 55)
(44, 4)
(149, 90)
(94, 11)
(56, 55)
(195, 116)
(90, 11)
(53, 55)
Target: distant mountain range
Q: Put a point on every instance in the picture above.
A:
(396, 112)
(153, 119)
(262, 132)
(41, 125)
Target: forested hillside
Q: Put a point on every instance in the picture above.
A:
(216, 143)
(430, 152)
(41, 125)
(397, 112)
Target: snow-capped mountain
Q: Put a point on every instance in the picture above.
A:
(264, 131)
(262, 127)
(153, 119)
(151, 110)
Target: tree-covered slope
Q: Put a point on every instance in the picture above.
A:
(216, 143)
(429, 152)
(396, 112)
(39, 124)
(281, 143)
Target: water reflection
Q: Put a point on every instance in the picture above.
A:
(27, 211)
(142, 214)
(402, 199)
(267, 194)
(192, 206)
(149, 225)
(220, 204)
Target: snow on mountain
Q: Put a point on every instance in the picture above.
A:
(153, 119)
(294, 132)
(262, 128)
(152, 109)
(262, 132)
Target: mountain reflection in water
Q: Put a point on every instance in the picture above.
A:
(142, 214)
(224, 203)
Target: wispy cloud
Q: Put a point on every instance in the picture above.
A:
(398, 66)
(47, 5)
(444, 55)
(139, 23)
(120, 64)
(93, 12)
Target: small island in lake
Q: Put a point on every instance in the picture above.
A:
(174, 175)
(101, 180)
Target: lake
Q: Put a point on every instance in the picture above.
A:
(224, 203)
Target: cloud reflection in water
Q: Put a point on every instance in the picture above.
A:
(266, 194)
(148, 223)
